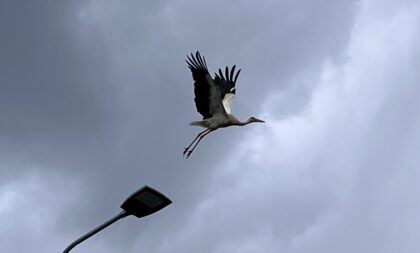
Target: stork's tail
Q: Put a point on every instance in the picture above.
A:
(201, 123)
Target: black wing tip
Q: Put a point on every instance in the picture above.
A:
(237, 75)
(229, 75)
(197, 61)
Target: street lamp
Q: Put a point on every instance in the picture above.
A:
(141, 203)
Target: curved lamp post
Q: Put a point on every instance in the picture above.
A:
(141, 203)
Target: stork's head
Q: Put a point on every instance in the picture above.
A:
(253, 119)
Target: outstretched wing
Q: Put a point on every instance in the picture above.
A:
(227, 87)
(207, 99)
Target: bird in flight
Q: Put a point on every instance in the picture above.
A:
(213, 99)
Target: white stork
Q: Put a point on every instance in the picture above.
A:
(213, 99)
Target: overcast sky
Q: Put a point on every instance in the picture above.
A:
(95, 101)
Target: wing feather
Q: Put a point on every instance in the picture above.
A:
(208, 98)
(226, 84)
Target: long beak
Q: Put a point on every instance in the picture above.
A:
(259, 120)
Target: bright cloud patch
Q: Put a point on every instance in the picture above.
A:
(340, 176)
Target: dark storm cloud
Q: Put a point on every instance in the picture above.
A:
(53, 93)
(56, 106)
(97, 94)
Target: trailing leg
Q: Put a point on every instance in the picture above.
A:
(198, 136)
(198, 141)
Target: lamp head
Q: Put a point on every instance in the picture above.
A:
(145, 201)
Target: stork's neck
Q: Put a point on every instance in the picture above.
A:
(237, 122)
(243, 123)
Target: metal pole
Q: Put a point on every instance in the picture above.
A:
(121, 215)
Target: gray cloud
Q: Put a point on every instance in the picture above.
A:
(97, 99)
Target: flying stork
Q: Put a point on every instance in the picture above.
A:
(213, 99)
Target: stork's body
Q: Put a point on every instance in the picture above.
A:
(213, 99)
(219, 121)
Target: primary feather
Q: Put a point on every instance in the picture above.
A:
(208, 100)
(227, 87)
